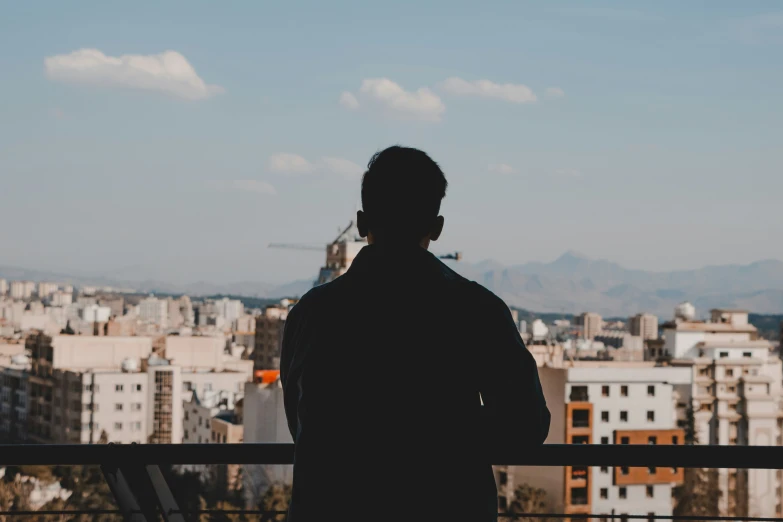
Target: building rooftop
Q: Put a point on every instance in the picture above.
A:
(701, 326)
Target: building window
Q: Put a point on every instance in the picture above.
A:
(502, 503)
(604, 440)
(624, 440)
(729, 372)
(624, 471)
(581, 418)
(650, 492)
(208, 386)
(651, 390)
(704, 372)
(623, 493)
(650, 416)
(579, 439)
(675, 439)
(604, 416)
(623, 416)
(747, 354)
(186, 415)
(604, 492)
(605, 391)
(652, 439)
(136, 406)
(674, 470)
(118, 406)
(213, 436)
(651, 470)
(579, 496)
(723, 355)
(604, 469)
(118, 387)
(578, 394)
(651, 516)
(118, 426)
(624, 391)
(137, 387)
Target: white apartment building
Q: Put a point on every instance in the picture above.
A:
(3, 287)
(96, 314)
(22, 289)
(607, 403)
(46, 289)
(229, 309)
(264, 421)
(82, 387)
(154, 311)
(737, 396)
(61, 298)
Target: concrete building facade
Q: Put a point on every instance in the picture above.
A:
(644, 326)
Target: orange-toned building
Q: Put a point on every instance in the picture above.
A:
(607, 403)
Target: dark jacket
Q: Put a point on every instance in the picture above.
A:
(384, 371)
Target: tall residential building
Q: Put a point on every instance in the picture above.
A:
(22, 289)
(153, 311)
(14, 371)
(606, 403)
(61, 298)
(269, 336)
(96, 314)
(230, 309)
(736, 400)
(591, 324)
(175, 318)
(3, 287)
(644, 326)
(46, 289)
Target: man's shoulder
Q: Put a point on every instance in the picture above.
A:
(478, 293)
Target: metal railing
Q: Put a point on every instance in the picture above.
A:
(142, 494)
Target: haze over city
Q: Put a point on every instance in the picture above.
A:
(175, 141)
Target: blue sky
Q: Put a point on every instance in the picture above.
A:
(648, 133)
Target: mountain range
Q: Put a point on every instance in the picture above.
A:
(572, 283)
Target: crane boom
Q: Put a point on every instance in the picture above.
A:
(295, 246)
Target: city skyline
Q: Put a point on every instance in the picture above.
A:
(183, 143)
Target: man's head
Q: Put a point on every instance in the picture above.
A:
(401, 194)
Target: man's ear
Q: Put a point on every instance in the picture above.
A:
(361, 223)
(437, 228)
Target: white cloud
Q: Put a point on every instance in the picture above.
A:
(349, 101)
(422, 104)
(501, 168)
(554, 92)
(167, 72)
(290, 163)
(343, 167)
(574, 173)
(245, 185)
(510, 92)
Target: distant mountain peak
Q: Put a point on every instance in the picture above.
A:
(573, 254)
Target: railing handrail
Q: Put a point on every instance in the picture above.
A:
(620, 455)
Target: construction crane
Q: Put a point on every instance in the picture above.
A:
(454, 256)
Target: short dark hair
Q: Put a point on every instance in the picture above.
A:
(401, 193)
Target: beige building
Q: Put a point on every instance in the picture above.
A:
(644, 326)
(22, 289)
(591, 324)
(736, 399)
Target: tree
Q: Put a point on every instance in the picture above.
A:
(276, 498)
(699, 494)
(529, 499)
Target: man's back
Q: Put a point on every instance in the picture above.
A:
(384, 370)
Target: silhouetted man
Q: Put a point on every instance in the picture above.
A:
(385, 368)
